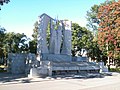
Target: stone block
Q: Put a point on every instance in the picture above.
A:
(56, 57)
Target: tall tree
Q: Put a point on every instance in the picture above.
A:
(81, 38)
(92, 18)
(33, 43)
(2, 37)
(35, 31)
(109, 29)
(16, 42)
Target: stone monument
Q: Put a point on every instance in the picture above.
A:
(60, 38)
(55, 53)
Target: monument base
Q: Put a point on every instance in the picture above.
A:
(56, 57)
(51, 68)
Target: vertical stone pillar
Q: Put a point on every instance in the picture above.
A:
(52, 45)
(67, 37)
(42, 42)
(55, 39)
(58, 39)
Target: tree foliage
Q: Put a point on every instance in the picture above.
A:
(92, 18)
(81, 38)
(12, 43)
(109, 29)
(33, 43)
(4, 1)
(16, 42)
(2, 37)
(35, 31)
(33, 46)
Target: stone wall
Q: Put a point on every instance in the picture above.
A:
(20, 63)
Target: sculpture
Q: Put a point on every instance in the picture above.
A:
(60, 36)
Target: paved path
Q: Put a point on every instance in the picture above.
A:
(106, 83)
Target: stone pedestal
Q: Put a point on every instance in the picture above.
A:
(102, 67)
(33, 72)
(56, 57)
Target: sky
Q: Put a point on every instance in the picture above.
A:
(19, 16)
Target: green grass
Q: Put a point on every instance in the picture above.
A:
(3, 71)
(115, 69)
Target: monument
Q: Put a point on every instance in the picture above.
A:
(55, 54)
(59, 46)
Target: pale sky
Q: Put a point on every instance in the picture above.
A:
(19, 16)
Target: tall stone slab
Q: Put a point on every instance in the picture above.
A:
(52, 45)
(55, 39)
(59, 39)
(66, 48)
(42, 42)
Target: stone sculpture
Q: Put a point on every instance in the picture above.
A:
(42, 43)
(60, 36)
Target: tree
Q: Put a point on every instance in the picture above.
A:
(92, 18)
(12, 43)
(3, 1)
(33, 43)
(109, 30)
(16, 42)
(2, 37)
(84, 39)
(33, 46)
(81, 38)
(35, 31)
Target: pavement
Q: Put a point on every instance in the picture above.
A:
(20, 82)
